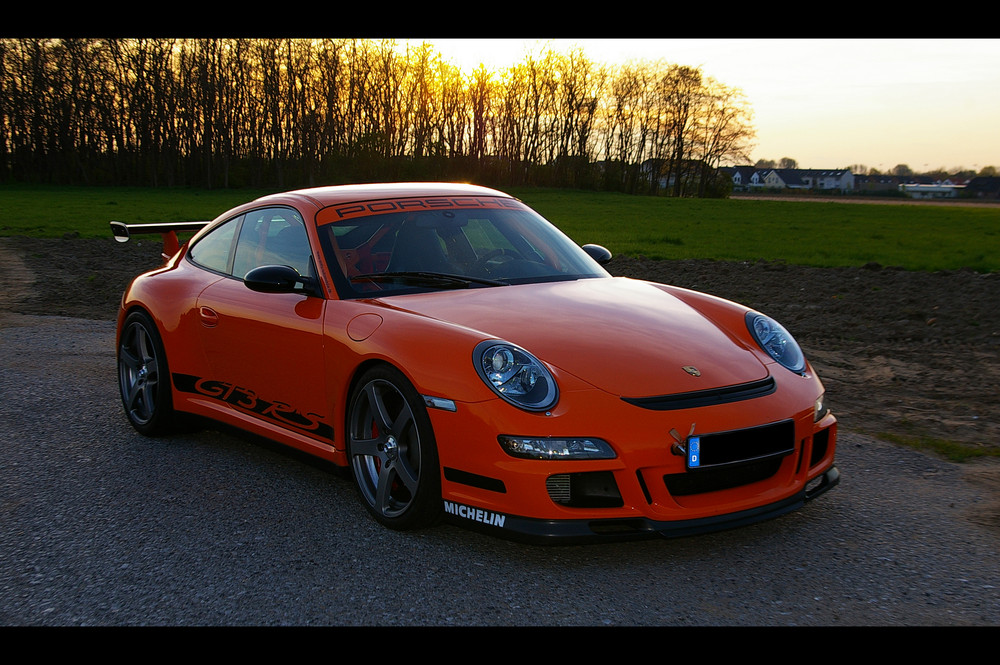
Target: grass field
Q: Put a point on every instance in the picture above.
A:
(917, 237)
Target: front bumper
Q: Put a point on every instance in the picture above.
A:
(647, 489)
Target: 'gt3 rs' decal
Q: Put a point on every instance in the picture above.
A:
(247, 400)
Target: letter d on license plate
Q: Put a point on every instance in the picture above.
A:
(694, 452)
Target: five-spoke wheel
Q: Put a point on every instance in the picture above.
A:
(392, 452)
(142, 375)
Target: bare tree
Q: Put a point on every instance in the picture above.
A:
(624, 126)
(482, 93)
(723, 130)
(682, 89)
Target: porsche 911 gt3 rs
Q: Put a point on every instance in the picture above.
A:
(467, 361)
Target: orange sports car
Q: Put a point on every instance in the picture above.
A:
(468, 361)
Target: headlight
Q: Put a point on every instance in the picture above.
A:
(776, 341)
(556, 448)
(515, 375)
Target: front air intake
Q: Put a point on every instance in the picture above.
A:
(592, 489)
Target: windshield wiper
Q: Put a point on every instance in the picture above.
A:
(428, 277)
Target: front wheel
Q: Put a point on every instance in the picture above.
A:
(392, 452)
(143, 378)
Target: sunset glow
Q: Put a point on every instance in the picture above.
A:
(827, 103)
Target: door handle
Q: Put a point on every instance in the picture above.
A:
(209, 317)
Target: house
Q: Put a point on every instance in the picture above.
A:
(983, 187)
(827, 179)
(877, 183)
(744, 177)
(935, 190)
(747, 178)
(654, 169)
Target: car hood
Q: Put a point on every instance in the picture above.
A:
(628, 337)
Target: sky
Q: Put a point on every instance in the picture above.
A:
(826, 103)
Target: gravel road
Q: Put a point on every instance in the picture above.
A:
(102, 527)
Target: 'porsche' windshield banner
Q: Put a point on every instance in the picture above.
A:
(382, 206)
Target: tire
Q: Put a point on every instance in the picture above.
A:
(143, 377)
(392, 452)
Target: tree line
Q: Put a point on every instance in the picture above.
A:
(294, 112)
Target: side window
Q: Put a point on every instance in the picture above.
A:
(212, 250)
(272, 236)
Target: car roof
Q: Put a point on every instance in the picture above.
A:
(339, 194)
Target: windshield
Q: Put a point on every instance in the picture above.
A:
(400, 252)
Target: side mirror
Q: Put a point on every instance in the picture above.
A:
(278, 279)
(598, 253)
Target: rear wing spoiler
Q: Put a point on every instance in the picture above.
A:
(122, 232)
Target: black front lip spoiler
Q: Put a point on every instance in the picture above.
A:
(572, 532)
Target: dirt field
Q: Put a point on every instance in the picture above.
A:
(899, 352)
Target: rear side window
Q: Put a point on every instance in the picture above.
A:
(212, 251)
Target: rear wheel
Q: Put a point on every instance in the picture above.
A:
(392, 452)
(143, 378)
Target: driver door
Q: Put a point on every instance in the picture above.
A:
(265, 350)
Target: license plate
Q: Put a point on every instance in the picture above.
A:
(741, 446)
(694, 452)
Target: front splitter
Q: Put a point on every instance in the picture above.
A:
(571, 532)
